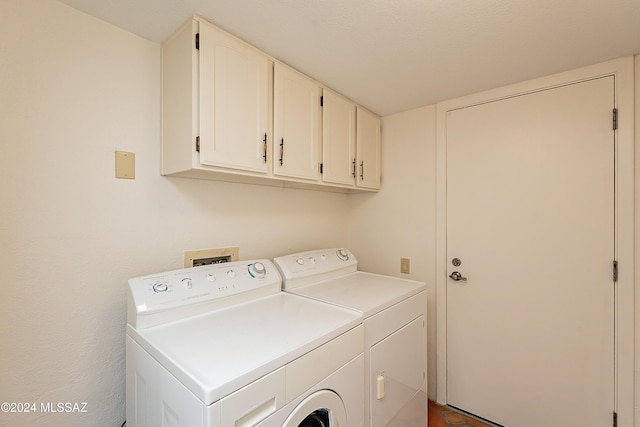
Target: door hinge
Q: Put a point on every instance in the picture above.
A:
(615, 419)
(615, 119)
(198, 144)
(321, 164)
(615, 271)
(322, 101)
(197, 40)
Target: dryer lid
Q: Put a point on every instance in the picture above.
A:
(368, 293)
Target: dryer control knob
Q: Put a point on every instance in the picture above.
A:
(343, 254)
(231, 273)
(187, 283)
(257, 269)
(160, 287)
(300, 261)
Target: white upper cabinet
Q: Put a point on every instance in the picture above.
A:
(338, 139)
(368, 150)
(296, 110)
(231, 112)
(234, 102)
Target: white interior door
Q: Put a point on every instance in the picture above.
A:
(530, 215)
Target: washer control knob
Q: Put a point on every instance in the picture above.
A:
(231, 273)
(323, 257)
(187, 282)
(257, 269)
(160, 287)
(343, 254)
(300, 261)
(211, 277)
(312, 260)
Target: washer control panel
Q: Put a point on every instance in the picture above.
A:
(178, 288)
(303, 267)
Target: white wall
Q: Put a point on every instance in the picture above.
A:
(73, 90)
(399, 221)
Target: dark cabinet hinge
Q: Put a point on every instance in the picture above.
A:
(322, 101)
(198, 144)
(615, 271)
(615, 119)
(197, 40)
(615, 419)
(321, 167)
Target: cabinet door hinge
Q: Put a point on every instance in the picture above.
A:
(615, 419)
(198, 144)
(615, 119)
(321, 167)
(197, 40)
(322, 101)
(615, 271)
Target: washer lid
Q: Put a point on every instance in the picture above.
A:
(368, 293)
(220, 352)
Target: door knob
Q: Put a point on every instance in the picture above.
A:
(457, 277)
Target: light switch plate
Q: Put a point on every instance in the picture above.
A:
(125, 165)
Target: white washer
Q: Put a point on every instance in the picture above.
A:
(394, 316)
(221, 345)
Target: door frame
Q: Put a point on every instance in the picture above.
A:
(623, 71)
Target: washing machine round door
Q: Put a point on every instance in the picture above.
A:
(324, 408)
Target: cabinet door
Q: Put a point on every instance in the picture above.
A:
(234, 102)
(368, 150)
(338, 139)
(296, 124)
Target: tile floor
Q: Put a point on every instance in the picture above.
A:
(441, 416)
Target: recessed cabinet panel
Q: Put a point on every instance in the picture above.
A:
(368, 150)
(338, 139)
(234, 102)
(296, 124)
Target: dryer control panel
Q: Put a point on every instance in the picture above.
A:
(312, 266)
(214, 284)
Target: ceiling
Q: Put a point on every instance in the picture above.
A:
(395, 55)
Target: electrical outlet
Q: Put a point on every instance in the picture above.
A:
(405, 265)
(209, 256)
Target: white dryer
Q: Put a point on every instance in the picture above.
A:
(394, 316)
(221, 346)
